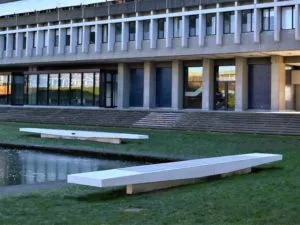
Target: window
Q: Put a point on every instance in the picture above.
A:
(68, 37)
(32, 89)
(177, 27)
(247, 20)
(131, 31)
(193, 87)
(88, 89)
(4, 89)
(76, 91)
(287, 18)
(46, 38)
(146, 29)
(53, 89)
(56, 39)
(24, 40)
(64, 89)
(14, 40)
(92, 35)
(104, 33)
(193, 20)
(42, 89)
(211, 24)
(161, 28)
(79, 36)
(4, 42)
(118, 32)
(228, 22)
(268, 19)
(35, 38)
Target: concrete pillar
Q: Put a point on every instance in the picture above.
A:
(208, 84)
(149, 85)
(241, 84)
(2, 45)
(202, 29)
(123, 85)
(19, 44)
(62, 41)
(111, 37)
(39, 42)
(125, 36)
(177, 84)
(29, 44)
(98, 38)
(169, 32)
(74, 40)
(277, 83)
(138, 34)
(256, 24)
(277, 23)
(153, 33)
(86, 39)
(9, 45)
(297, 22)
(219, 31)
(237, 25)
(51, 40)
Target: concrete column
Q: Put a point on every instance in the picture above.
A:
(256, 24)
(297, 22)
(149, 85)
(19, 44)
(177, 84)
(202, 29)
(277, 83)
(219, 31)
(40, 43)
(62, 41)
(98, 38)
(9, 45)
(2, 45)
(74, 40)
(208, 84)
(169, 32)
(138, 34)
(277, 23)
(241, 84)
(153, 33)
(123, 85)
(237, 25)
(86, 39)
(125, 36)
(111, 37)
(185, 32)
(51, 39)
(29, 44)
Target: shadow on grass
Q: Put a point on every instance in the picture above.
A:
(267, 169)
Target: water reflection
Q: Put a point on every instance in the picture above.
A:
(29, 167)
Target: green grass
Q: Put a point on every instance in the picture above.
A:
(269, 196)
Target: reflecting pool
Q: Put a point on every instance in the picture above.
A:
(30, 167)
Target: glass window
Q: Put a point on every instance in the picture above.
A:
(35, 39)
(68, 37)
(4, 42)
(88, 89)
(193, 87)
(14, 41)
(53, 89)
(131, 31)
(146, 29)
(104, 33)
(79, 36)
(161, 28)
(97, 89)
(76, 81)
(247, 18)
(268, 19)
(287, 18)
(32, 89)
(118, 32)
(64, 89)
(92, 35)
(228, 22)
(46, 38)
(24, 40)
(193, 20)
(56, 39)
(177, 27)
(43, 89)
(211, 24)
(4, 89)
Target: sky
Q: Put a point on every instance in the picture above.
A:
(37, 5)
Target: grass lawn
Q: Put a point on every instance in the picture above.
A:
(268, 196)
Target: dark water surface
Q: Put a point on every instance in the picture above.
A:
(30, 167)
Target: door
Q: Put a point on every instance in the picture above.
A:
(108, 89)
(163, 87)
(17, 97)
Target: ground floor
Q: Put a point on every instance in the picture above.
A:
(236, 84)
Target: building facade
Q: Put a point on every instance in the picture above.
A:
(151, 54)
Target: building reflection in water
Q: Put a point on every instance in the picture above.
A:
(29, 167)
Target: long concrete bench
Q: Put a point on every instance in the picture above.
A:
(158, 176)
(106, 137)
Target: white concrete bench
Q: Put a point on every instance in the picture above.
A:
(114, 138)
(165, 175)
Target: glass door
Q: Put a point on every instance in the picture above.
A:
(17, 97)
(108, 89)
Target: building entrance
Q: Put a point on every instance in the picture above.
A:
(108, 89)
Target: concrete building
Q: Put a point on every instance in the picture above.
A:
(151, 54)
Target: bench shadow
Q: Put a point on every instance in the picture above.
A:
(100, 196)
(270, 168)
